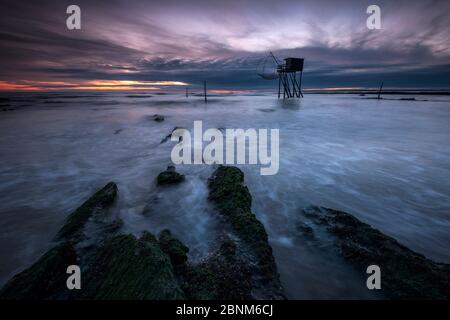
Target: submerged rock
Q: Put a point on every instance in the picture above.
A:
(233, 201)
(158, 118)
(166, 138)
(170, 176)
(405, 274)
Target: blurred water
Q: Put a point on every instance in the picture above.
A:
(386, 162)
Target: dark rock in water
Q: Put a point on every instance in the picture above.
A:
(120, 267)
(408, 99)
(222, 277)
(233, 200)
(100, 201)
(166, 138)
(170, 176)
(46, 279)
(139, 96)
(305, 229)
(130, 268)
(173, 247)
(118, 131)
(405, 274)
(158, 118)
(7, 107)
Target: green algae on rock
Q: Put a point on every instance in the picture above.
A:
(130, 268)
(405, 274)
(45, 279)
(233, 200)
(170, 176)
(221, 277)
(173, 247)
(100, 201)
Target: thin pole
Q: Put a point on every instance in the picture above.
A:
(279, 84)
(300, 83)
(379, 92)
(187, 93)
(204, 88)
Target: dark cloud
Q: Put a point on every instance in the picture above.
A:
(224, 42)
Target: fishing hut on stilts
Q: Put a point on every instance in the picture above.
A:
(289, 74)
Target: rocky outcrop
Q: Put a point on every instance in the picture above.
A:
(173, 247)
(223, 276)
(129, 268)
(120, 267)
(405, 273)
(95, 205)
(233, 201)
(45, 279)
(170, 176)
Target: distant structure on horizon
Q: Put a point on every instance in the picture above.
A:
(289, 74)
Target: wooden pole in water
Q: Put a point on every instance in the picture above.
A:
(279, 84)
(204, 89)
(379, 92)
(187, 94)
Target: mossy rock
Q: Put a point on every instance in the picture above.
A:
(221, 277)
(45, 279)
(233, 200)
(101, 200)
(130, 268)
(173, 247)
(170, 176)
(405, 274)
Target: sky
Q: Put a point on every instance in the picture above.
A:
(163, 45)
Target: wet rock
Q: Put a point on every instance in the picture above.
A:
(405, 273)
(96, 204)
(223, 276)
(158, 118)
(170, 176)
(7, 108)
(304, 229)
(173, 247)
(166, 138)
(117, 267)
(130, 268)
(46, 279)
(233, 201)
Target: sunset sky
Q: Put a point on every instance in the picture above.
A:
(149, 45)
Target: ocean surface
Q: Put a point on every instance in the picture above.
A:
(385, 161)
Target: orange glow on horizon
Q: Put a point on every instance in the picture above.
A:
(103, 85)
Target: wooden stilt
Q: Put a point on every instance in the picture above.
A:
(379, 92)
(279, 85)
(204, 89)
